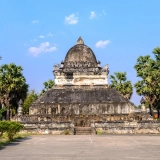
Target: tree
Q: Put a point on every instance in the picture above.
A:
(47, 85)
(148, 70)
(13, 86)
(120, 83)
(31, 97)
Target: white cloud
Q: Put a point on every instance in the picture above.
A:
(102, 44)
(35, 21)
(43, 48)
(41, 36)
(104, 12)
(92, 15)
(71, 19)
(51, 49)
(50, 34)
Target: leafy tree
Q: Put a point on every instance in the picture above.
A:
(13, 86)
(31, 97)
(47, 85)
(148, 70)
(120, 83)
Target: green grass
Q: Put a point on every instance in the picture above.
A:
(4, 139)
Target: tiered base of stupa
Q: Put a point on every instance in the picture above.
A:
(64, 108)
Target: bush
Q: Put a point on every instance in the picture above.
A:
(3, 127)
(11, 128)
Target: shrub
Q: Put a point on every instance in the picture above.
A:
(3, 127)
(11, 128)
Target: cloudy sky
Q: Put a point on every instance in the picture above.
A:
(37, 34)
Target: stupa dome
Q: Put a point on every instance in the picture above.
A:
(80, 53)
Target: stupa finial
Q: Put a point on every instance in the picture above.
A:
(80, 40)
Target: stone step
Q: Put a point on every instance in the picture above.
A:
(83, 133)
(82, 130)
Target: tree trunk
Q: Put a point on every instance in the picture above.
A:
(158, 108)
(10, 115)
(158, 112)
(7, 114)
(151, 110)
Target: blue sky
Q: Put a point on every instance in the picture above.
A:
(37, 34)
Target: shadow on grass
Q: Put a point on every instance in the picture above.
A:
(15, 142)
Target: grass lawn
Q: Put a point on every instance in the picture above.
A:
(4, 139)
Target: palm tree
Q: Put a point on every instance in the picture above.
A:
(47, 85)
(120, 83)
(31, 97)
(13, 86)
(148, 70)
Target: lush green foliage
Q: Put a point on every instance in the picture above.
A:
(13, 85)
(11, 128)
(120, 83)
(3, 127)
(148, 69)
(47, 85)
(31, 97)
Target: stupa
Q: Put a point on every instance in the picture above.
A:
(81, 96)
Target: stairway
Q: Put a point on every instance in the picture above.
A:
(82, 130)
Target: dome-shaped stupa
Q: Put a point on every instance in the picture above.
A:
(80, 67)
(80, 53)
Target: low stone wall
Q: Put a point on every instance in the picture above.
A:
(119, 127)
(47, 127)
(126, 127)
(140, 123)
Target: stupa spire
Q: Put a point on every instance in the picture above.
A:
(80, 40)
